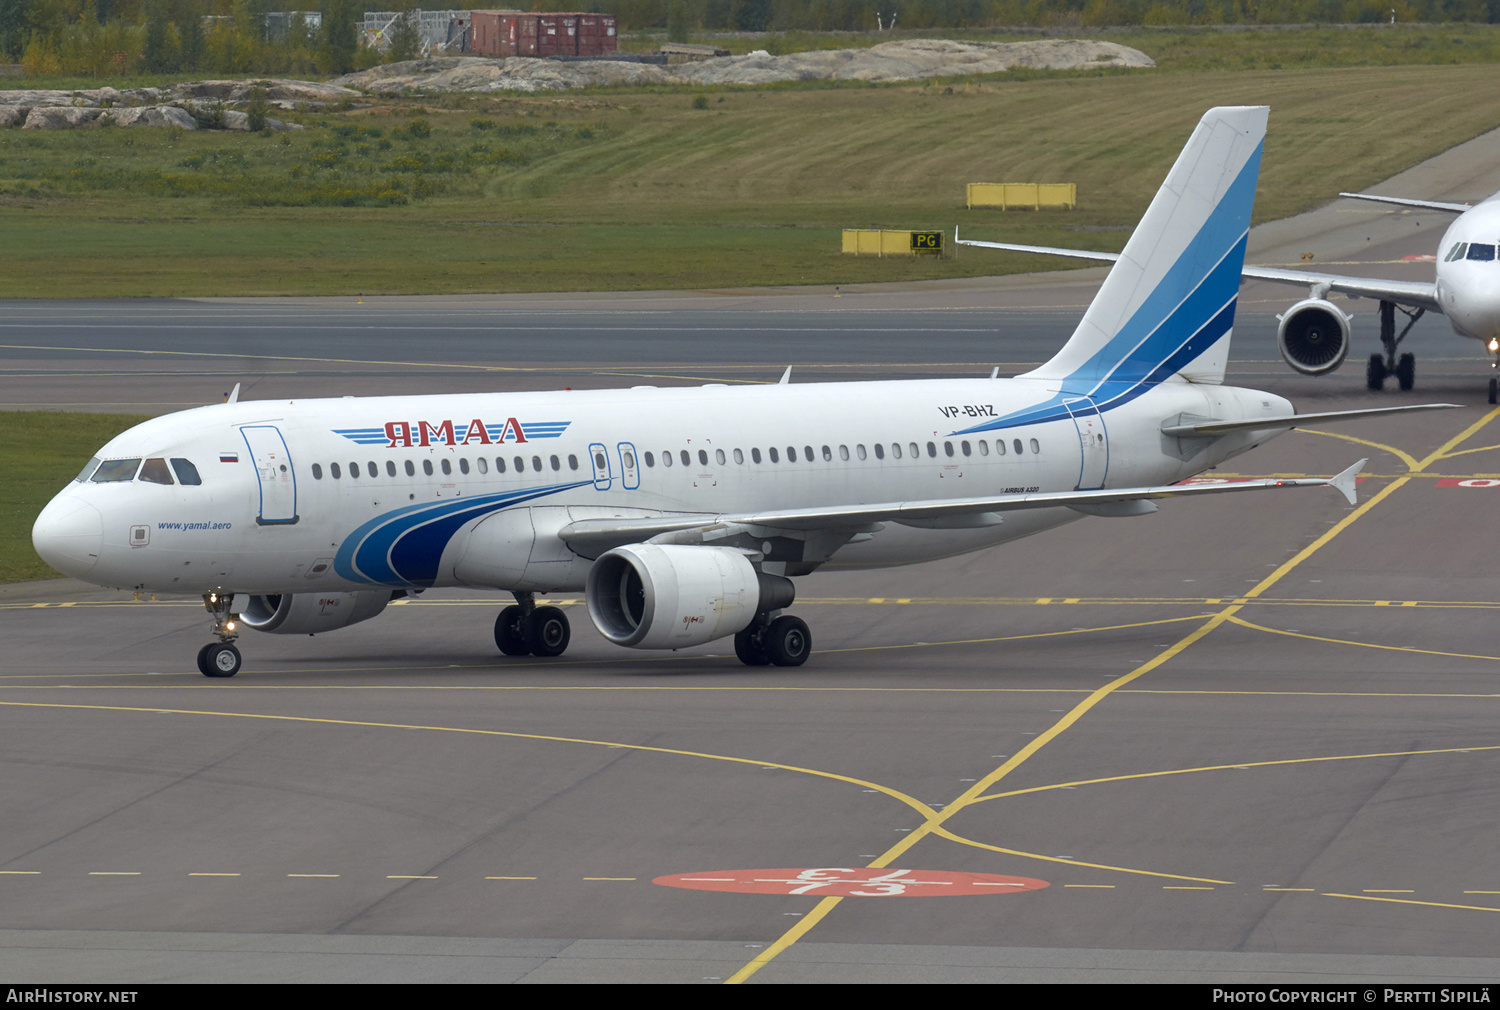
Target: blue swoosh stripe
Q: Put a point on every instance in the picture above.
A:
(402, 548)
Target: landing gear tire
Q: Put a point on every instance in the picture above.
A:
(1406, 371)
(750, 646)
(1495, 390)
(510, 634)
(218, 659)
(547, 632)
(787, 641)
(1375, 372)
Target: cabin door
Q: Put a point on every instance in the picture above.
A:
(1093, 444)
(273, 469)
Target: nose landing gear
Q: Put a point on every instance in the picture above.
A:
(221, 658)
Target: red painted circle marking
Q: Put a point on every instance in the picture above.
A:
(1471, 482)
(850, 882)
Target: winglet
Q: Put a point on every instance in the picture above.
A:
(234, 394)
(1343, 483)
(786, 376)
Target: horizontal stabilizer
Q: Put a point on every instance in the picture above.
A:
(1207, 429)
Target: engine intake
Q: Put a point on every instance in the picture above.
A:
(667, 596)
(1314, 336)
(310, 613)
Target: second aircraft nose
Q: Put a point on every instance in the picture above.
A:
(68, 535)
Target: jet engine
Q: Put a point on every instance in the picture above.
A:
(310, 613)
(1313, 336)
(668, 596)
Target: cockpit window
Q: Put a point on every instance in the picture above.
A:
(155, 471)
(112, 470)
(1480, 251)
(1457, 252)
(187, 473)
(88, 468)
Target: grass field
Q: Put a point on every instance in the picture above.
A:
(639, 189)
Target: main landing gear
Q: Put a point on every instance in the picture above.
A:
(784, 641)
(529, 630)
(1403, 368)
(221, 658)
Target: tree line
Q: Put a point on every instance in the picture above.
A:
(117, 37)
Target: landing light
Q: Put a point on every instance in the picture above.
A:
(1494, 345)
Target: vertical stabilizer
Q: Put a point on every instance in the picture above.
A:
(1166, 309)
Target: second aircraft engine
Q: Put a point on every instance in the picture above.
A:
(310, 613)
(667, 596)
(1313, 336)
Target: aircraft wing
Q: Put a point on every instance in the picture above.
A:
(592, 537)
(1401, 201)
(1415, 294)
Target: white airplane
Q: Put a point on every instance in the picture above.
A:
(1314, 334)
(684, 513)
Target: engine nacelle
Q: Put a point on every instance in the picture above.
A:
(310, 613)
(668, 596)
(1314, 336)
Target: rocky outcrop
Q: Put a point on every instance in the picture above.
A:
(905, 60)
(47, 109)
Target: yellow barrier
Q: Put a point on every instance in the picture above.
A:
(1030, 195)
(870, 242)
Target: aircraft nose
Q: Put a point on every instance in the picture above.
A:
(68, 535)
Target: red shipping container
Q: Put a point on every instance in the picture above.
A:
(509, 33)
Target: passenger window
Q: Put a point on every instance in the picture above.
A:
(426, 467)
(686, 459)
(1036, 446)
(155, 471)
(827, 454)
(775, 458)
(895, 450)
(499, 464)
(999, 447)
(317, 470)
(859, 450)
(520, 464)
(1015, 444)
(807, 454)
(556, 463)
(353, 471)
(948, 448)
(333, 471)
(703, 457)
(463, 465)
(719, 456)
(112, 471)
(932, 450)
(844, 453)
(390, 467)
(755, 455)
(739, 456)
(186, 472)
(984, 448)
(791, 454)
(372, 469)
(88, 468)
(650, 461)
(536, 463)
(666, 458)
(411, 471)
(447, 467)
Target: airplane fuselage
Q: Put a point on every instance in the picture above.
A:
(1468, 272)
(350, 494)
